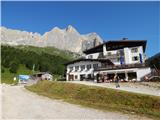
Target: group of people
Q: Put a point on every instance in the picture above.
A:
(115, 79)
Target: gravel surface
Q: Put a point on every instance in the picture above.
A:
(130, 87)
(18, 103)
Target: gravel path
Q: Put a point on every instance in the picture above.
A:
(130, 87)
(18, 103)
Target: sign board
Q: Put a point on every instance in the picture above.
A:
(23, 78)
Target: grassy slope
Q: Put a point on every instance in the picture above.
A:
(101, 98)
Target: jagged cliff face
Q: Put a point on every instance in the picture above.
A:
(66, 39)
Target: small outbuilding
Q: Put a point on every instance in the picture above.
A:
(42, 76)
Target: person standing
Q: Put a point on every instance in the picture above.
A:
(116, 79)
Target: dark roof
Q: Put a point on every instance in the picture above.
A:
(83, 59)
(41, 73)
(113, 45)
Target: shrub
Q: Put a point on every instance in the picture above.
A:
(61, 79)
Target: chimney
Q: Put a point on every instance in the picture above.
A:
(124, 38)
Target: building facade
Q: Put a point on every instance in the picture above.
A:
(123, 57)
(83, 69)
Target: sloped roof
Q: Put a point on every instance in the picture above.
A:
(83, 59)
(118, 44)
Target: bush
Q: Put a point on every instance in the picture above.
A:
(62, 79)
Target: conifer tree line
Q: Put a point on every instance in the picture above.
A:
(154, 61)
(12, 57)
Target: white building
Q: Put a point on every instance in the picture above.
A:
(84, 68)
(124, 57)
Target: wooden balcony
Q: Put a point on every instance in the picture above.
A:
(111, 56)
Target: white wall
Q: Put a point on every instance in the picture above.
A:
(104, 50)
(140, 51)
(141, 72)
(79, 72)
(94, 56)
(129, 55)
(105, 53)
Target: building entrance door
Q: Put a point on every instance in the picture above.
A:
(82, 77)
(71, 77)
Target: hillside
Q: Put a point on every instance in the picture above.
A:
(21, 59)
(154, 61)
(49, 50)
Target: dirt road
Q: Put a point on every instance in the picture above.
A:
(18, 103)
(130, 87)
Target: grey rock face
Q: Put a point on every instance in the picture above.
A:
(65, 39)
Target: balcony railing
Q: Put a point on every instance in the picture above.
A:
(111, 56)
(109, 67)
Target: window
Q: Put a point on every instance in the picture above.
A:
(134, 50)
(82, 77)
(89, 76)
(76, 68)
(76, 76)
(70, 68)
(135, 58)
(82, 67)
(88, 66)
(90, 56)
(95, 66)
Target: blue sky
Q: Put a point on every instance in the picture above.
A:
(111, 20)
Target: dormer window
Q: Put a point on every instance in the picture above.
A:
(90, 56)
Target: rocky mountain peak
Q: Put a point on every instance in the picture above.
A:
(66, 39)
(56, 29)
(70, 28)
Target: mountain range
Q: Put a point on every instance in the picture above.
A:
(65, 39)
